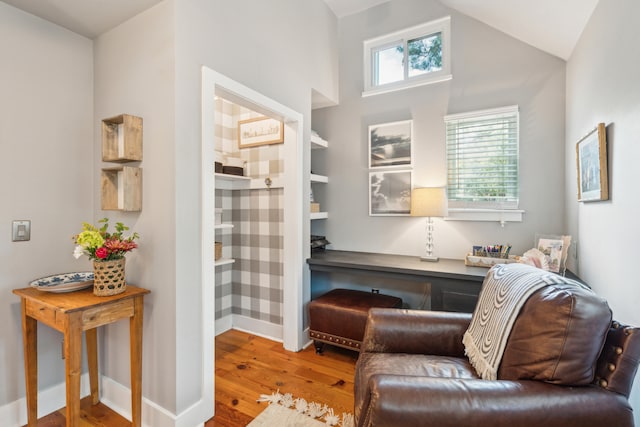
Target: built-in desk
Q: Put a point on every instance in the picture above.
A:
(454, 286)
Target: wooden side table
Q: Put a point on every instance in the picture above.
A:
(72, 313)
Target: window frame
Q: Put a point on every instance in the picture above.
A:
(486, 210)
(442, 25)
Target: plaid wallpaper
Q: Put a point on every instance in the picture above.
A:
(257, 248)
(252, 286)
(262, 161)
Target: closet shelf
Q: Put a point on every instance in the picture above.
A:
(223, 226)
(319, 178)
(318, 215)
(232, 178)
(231, 182)
(224, 261)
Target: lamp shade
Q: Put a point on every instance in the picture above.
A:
(431, 201)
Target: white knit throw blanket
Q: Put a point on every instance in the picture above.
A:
(505, 290)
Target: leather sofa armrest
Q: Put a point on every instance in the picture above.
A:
(439, 402)
(415, 331)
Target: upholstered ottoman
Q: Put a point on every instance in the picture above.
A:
(339, 316)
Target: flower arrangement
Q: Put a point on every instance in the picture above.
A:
(100, 245)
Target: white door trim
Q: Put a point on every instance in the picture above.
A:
(292, 329)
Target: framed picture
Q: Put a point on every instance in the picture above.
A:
(390, 144)
(591, 156)
(555, 250)
(390, 193)
(260, 131)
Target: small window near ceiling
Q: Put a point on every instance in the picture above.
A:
(482, 159)
(408, 58)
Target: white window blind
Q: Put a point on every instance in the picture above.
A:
(482, 159)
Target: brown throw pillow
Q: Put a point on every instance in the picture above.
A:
(557, 337)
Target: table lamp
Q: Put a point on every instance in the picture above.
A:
(430, 202)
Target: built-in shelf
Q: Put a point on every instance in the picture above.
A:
(232, 182)
(236, 182)
(317, 142)
(223, 226)
(232, 178)
(318, 215)
(224, 261)
(319, 178)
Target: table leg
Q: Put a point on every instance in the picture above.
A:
(30, 350)
(73, 358)
(135, 342)
(92, 360)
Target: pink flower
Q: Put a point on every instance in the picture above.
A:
(117, 245)
(102, 252)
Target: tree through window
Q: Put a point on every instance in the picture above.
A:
(411, 57)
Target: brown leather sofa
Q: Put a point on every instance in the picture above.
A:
(560, 368)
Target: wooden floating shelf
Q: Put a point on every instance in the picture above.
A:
(122, 139)
(121, 189)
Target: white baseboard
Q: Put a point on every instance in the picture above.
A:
(224, 324)
(261, 328)
(305, 333)
(242, 323)
(118, 397)
(14, 414)
(112, 394)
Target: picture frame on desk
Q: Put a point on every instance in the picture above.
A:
(591, 163)
(555, 248)
(390, 193)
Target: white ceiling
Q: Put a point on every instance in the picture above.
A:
(553, 26)
(550, 25)
(348, 7)
(89, 18)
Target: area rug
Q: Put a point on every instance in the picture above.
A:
(286, 411)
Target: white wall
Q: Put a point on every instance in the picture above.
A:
(134, 74)
(46, 175)
(490, 69)
(603, 86)
(149, 66)
(282, 49)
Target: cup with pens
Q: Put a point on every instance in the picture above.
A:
(492, 251)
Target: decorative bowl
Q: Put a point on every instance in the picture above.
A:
(65, 282)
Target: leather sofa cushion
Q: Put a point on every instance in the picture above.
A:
(557, 337)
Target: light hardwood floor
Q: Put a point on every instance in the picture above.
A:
(247, 366)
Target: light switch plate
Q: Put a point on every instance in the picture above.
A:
(21, 230)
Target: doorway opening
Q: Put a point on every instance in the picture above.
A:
(290, 183)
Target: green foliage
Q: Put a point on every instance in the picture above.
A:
(425, 53)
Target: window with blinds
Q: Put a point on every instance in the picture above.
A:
(482, 159)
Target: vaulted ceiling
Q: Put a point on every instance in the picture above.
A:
(551, 25)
